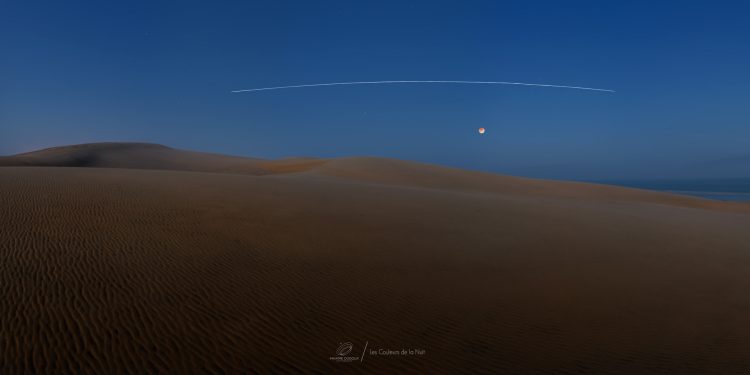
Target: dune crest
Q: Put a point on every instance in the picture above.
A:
(373, 170)
(151, 156)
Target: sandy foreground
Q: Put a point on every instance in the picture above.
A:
(202, 263)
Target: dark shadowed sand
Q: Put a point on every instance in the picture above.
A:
(200, 263)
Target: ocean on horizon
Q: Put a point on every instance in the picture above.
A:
(721, 189)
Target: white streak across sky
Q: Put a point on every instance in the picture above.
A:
(406, 82)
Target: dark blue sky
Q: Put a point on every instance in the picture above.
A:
(74, 72)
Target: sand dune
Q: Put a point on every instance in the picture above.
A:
(353, 169)
(152, 156)
(217, 264)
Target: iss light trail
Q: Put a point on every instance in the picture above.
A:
(419, 82)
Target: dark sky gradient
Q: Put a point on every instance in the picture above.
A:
(75, 72)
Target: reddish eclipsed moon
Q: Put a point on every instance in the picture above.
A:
(481, 130)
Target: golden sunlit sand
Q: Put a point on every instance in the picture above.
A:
(156, 260)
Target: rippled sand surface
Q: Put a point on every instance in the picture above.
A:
(253, 266)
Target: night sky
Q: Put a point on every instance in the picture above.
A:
(77, 72)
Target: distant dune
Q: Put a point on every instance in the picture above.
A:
(151, 156)
(158, 260)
